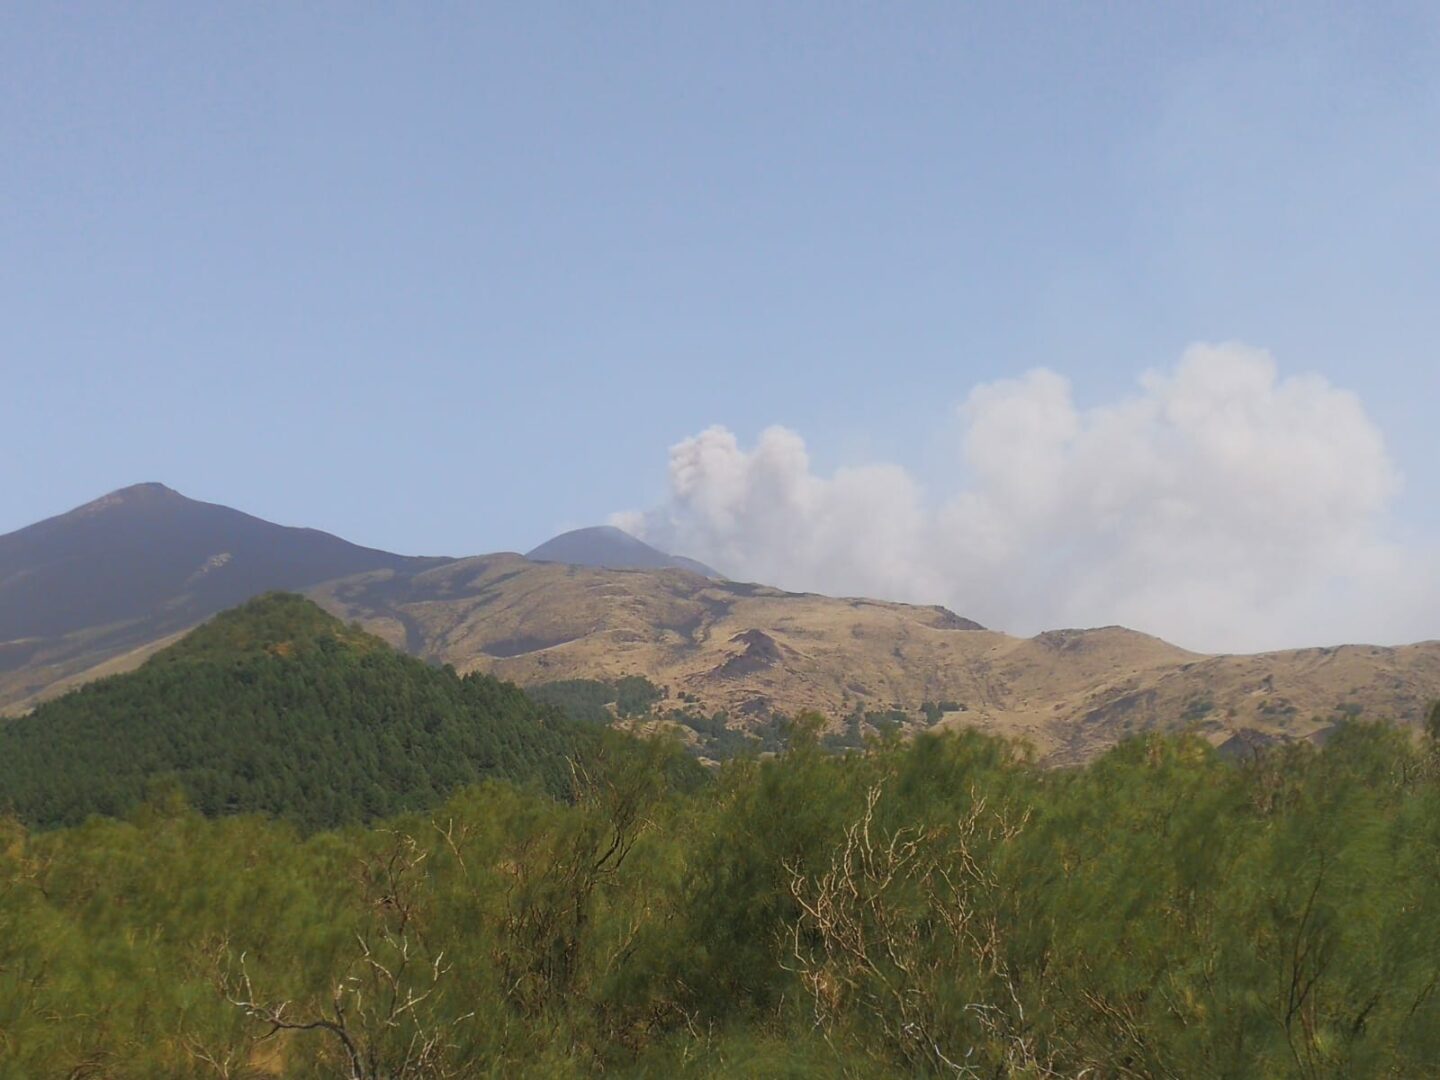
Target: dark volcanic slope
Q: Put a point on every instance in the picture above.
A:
(141, 563)
(613, 549)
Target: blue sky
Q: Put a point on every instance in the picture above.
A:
(447, 278)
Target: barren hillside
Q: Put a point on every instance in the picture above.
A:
(751, 650)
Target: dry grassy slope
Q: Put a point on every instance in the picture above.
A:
(749, 649)
(44, 669)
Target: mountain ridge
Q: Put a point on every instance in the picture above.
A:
(746, 650)
(139, 564)
(750, 651)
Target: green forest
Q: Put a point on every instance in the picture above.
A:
(937, 908)
(298, 854)
(276, 707)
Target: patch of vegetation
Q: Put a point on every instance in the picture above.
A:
(934, 710)
(886, 721)
(636, 695)
(589, 700)
(730, 743)
(597, 701)
(1197, 708)
(708, 727)
(1277, 708)
(276, 707)
(850, 737)
(1158, 912)
(773, 733)
(717, 740)
(582, 700)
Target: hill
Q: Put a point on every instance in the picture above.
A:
(277, 707)
(613, 549)
(130, 573)
(750, 651)
(129, 570)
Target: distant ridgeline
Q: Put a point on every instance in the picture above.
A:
(277, 707)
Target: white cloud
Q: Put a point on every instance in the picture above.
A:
(1220, 506)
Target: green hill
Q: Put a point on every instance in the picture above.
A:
(277, 707)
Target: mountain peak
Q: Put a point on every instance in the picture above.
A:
(613, 549)
(149, 489)
(148, 493)
(138, 564)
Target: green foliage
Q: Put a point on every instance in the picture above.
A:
(850, 737)
(1197, 708)
(1277, 708)
(773, 733)
(276, 707)
(582, 700)
(716, 739)
(934, 710)
(635, 695)
(941, 907)
(588, 700)
(276, 623)
(885, 721)
(599, 702)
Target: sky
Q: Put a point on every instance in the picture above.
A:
(1055, 314)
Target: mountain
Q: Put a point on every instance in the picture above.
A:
(750, 651)
(612, 549)
(277, 707)
(136, 566)
(97, 591)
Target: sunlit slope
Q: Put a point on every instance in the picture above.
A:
(750, 650)
(98, 591)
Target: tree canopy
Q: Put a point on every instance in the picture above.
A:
(278, 707)
(937, 908)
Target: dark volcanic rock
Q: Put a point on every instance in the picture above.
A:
(612, 549)
(761, 652)
(147, 552)
(945, 619)
(143, 562)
